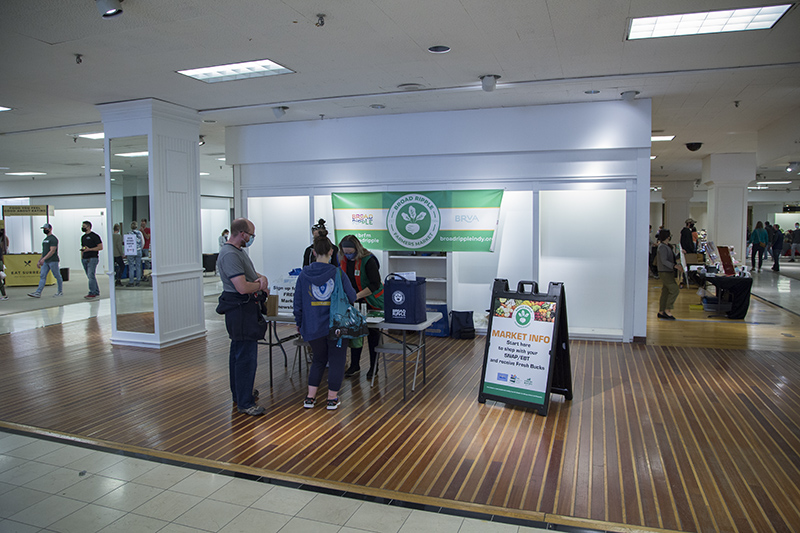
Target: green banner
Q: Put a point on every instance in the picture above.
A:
(430, 221)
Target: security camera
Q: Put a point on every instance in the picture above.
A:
(693, 147)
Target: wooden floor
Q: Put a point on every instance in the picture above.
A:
(675, 436)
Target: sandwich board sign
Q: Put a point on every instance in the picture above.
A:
(527, 347)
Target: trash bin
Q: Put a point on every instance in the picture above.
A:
(65, 273)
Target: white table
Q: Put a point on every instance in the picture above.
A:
(402, 346)
(272, 327)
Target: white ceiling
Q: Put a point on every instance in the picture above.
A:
(546, 51)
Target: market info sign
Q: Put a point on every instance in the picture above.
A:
(519, 349)
(432, 221)
(527, 346)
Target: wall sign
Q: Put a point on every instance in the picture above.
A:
(433, 221)
(527, 347)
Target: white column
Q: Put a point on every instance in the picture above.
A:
(677, 195)
(727, 177)
(174, 192)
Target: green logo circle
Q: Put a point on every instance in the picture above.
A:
(523, 316)
(413, 221)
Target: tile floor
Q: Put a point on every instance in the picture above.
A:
(48, 485)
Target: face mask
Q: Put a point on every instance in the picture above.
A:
(250, 242)
(45, 231)
(351, 257)
(84, 229)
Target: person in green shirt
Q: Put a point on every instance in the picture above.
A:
(48, 262)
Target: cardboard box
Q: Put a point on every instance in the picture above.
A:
(272, 305)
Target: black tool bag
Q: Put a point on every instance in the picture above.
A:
(461, 325)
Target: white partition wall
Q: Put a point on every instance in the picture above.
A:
(582, 243)
(282, 234)
(582, 150)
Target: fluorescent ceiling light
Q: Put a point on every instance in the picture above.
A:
(652, 157)
(113, 169)
(5, 108)
(93, 136)
(26, 173)
(774, 182)
(205, 174)
(755, 18)
(756, 188)
(236, 71)
(656, 138)
(220, 159)
(133, 154)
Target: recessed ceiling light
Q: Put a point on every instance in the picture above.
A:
(93, 136)
(652, 157)
(410, 86)
(657, 138)
(5, 108)
(377, 106)
(774, 182)
(220, 159)
(236, 71)
(26, 173)
(133, 154)
(439, 49)
(592, 91)
(754, 18)
(205, 174)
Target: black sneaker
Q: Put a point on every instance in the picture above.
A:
(308, 403)
(253, 410)
(350, 372)
(333, 404)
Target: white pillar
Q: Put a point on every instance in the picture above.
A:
(677, 195)
(174, 196)
(727, 177)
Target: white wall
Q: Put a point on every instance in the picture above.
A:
(599, 145)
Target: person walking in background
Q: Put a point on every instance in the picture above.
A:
(667, 265)
(146, 235)
(48, 263)
(119, 253)
(795, 240)
(133, 256)
(222, 239)
(312, 313)
(777, 247)
(3, 251)
(316, 230)
(687, 243)
(238, 302)
(91, 244)
(759, 239)
(770, 235)
(363, 271)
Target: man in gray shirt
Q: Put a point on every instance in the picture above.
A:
(240, 286)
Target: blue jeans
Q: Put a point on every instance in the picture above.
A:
(243, 362)
(53, 267)
(134, 262)
(90, 266)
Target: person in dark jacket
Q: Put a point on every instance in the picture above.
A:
(777, 247)
(312, 311)
(687, 242)
(363, 270)
(317, 230)
(667, 263)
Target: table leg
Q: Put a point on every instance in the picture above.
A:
(270, 325)
(404, 365)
